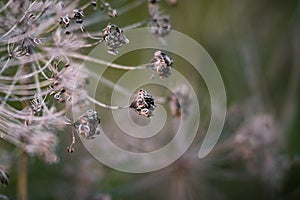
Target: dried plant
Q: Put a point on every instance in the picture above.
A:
(39, 71)
(40, 65)
(43, 44)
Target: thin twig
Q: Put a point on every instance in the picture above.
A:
(102, 62)
(104, 105)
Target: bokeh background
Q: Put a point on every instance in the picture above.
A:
(256, 46)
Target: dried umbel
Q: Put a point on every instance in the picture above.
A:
(41, 59)
(88, 124)
(114, 38)
(143, 103)
(161, 64)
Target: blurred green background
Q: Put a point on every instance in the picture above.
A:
(256, 46)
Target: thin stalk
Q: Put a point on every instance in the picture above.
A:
(91, 44)
(6, 5)
(29, 86)
(103, 62)
(21, 19)
(108, 83)
(119, 88)
(104, 105)
(22, 175)
(23, 157)
(38, 87)
(11, 87)
(29, 75)
(94, 18)
(14, 113)
(135, 25)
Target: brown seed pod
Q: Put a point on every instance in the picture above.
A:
(88, 124)
(143, 103)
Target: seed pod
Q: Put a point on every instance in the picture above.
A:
(65, 20)
(143, 103)
(88, 124)
(70, 149)
(78, 15)
(159, 24)
(36, 103)
(114, 38)
(161, 64)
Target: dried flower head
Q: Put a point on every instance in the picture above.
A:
(179, 101)
(88, 124)
(69, 83)
(114, 38)
(58, 90)
(160, 24)
(143, 103)
(161, 64)
(36, 103)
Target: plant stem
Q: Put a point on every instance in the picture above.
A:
(104, 105)
(106, 63)
(22, 175)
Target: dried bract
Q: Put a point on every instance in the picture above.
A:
(143, 103)
(88, 124)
